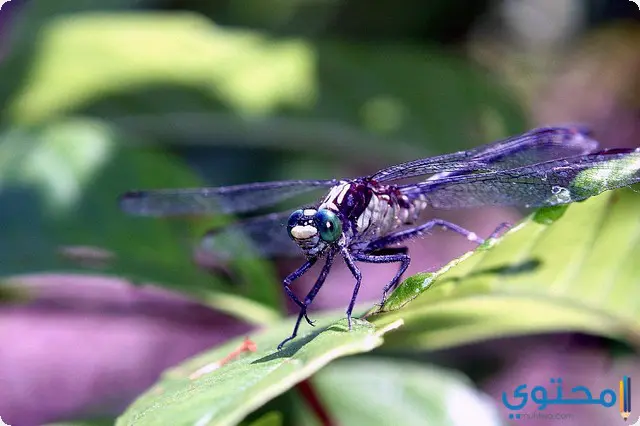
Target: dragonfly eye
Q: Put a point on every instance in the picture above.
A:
(329, 225)
(294, 218)
(293, 221)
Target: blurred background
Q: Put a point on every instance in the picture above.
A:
(102, 97)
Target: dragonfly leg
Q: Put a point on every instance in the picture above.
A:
(286, 283)
(398, 254)
(351, 264)
(310, 296)
(401, 255)
(502, 227)
(398, 237)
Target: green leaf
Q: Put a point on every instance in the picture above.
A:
(378, 391)
(575, 271)
(59, 186)
(201, 391)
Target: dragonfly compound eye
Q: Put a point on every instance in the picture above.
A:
(329, 225)
(294, 218)
(301, 225)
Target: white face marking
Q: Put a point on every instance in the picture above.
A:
(309, 212)
(303, 232)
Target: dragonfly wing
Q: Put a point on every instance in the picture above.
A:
(457, 161)
(550, 183)
(265, 236)
(227, 199)
(535, 146)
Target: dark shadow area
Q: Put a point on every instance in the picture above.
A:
(293, 346)
(523, 267)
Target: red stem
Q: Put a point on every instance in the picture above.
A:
(310, 396)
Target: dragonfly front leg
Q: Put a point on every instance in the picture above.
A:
(286, 283)
(310, 296)
(400, 255)
(358, 276)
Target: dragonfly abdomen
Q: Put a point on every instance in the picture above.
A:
(386, 211)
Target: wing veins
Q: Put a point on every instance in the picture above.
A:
(550, 183)
(538, 145)
(225, 200)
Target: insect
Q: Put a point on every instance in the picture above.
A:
(366, 219)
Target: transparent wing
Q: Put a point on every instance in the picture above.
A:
(226, 199)
(535, 146)
(544, 184)
(265, 236)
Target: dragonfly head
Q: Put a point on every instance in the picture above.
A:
(314, 230)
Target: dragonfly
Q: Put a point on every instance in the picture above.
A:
(367, 219)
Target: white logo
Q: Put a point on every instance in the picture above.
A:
(637, 423)
(637, 2)
(1, 422)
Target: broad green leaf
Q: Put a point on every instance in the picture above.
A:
(217, 85)
(202, 391)
(379, 391)
(575, 271)
(59, 186)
